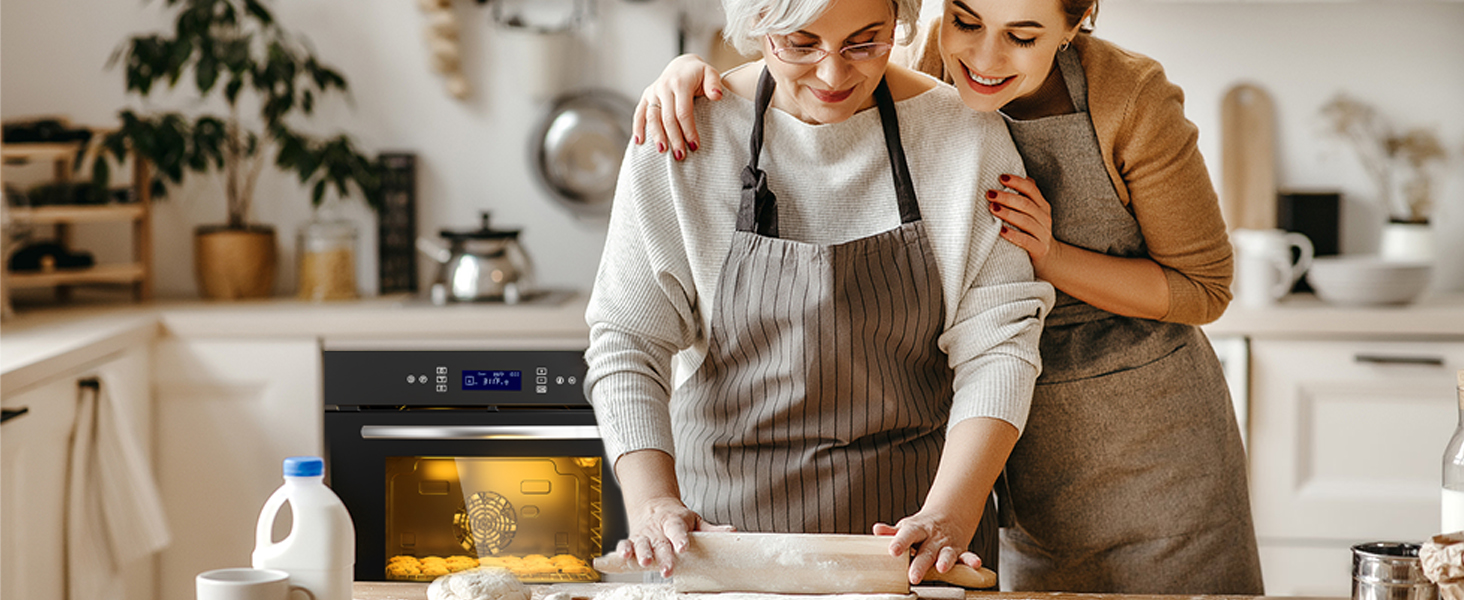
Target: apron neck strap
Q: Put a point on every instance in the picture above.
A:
(890, 121)
(1071, 66)
(758, 210)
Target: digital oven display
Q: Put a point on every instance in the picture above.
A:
(493, 381)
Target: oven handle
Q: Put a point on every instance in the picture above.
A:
(480, 432)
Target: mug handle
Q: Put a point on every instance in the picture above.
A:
(1304, 260)
(296, 588)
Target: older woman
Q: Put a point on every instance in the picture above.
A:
(854, 343)
(1130, 475)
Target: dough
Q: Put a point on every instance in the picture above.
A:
(478, 584)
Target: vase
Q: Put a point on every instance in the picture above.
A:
(233, 264)
(1411, 242)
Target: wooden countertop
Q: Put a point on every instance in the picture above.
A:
(418, 591)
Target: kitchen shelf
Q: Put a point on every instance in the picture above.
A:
(50, 215)
(120, 273)
(60, 154)
(137, 273)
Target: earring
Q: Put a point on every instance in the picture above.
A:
(1064, 46)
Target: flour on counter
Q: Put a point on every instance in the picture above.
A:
(757, 596)
(641, 591)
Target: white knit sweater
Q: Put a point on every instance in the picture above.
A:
(672, 225)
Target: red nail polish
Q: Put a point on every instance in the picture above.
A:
(991, 193)
(660, 147)
(691, 145)
(1005, 178)
(995, 207)
(636, 139)
(677, 154)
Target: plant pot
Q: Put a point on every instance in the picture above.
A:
(1407, 242)
(231, 264)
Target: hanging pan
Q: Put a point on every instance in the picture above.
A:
(578, 147)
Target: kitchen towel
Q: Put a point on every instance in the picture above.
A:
(114, 513)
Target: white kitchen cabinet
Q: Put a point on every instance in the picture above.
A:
(229, 411)
(1346, 439)
(36, 456)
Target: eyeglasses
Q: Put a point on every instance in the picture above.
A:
(803, 55)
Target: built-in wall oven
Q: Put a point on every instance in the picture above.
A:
(450, 459)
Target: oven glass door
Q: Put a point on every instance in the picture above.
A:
(437, 491)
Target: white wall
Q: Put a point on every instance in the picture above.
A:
(472, 155)
(1405, 57)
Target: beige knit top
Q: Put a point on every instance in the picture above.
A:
(1150, 150)
(672, 226)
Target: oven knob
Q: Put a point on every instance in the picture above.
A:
(411, 379)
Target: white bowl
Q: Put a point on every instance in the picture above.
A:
(1367, 280)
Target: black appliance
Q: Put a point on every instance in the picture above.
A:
(464, 455)
(1315, 214)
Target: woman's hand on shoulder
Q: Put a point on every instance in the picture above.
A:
(658, 530)
(666, 112)
(937, 543)
(1026, 217)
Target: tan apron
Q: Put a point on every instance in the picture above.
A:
(1130, 475)
(822, 403)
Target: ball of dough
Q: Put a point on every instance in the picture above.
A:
(478, 584)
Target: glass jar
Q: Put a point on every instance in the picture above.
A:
(327, 251)
(1452, 518)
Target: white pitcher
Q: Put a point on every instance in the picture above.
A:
(1264, 267)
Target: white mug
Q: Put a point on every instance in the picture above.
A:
(247, 584)
(1264, 269)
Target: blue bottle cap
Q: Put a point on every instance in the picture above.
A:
(304, 466)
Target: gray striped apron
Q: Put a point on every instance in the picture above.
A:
(1130, 475)
(822, 402)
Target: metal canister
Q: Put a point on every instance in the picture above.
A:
(1389, 571)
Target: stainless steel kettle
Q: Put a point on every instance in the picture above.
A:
(482, 265)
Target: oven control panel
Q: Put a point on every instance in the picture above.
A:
(454, 377)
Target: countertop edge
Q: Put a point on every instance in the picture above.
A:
(47, 342)
(51, 341)
(47, 350)
(1435, 317)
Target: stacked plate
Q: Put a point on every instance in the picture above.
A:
(1367, 280)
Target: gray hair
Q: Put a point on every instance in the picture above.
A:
(749, 20)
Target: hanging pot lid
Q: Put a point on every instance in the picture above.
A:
(485, 233)
(578, 148)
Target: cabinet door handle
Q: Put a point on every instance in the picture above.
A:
(1382, 359)
(11, 413)
(480, 432)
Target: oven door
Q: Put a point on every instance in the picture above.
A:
(433, 491)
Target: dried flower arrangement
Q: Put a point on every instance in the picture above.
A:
(1398, 163)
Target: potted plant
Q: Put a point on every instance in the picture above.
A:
(235, 50)
(1400, 164)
